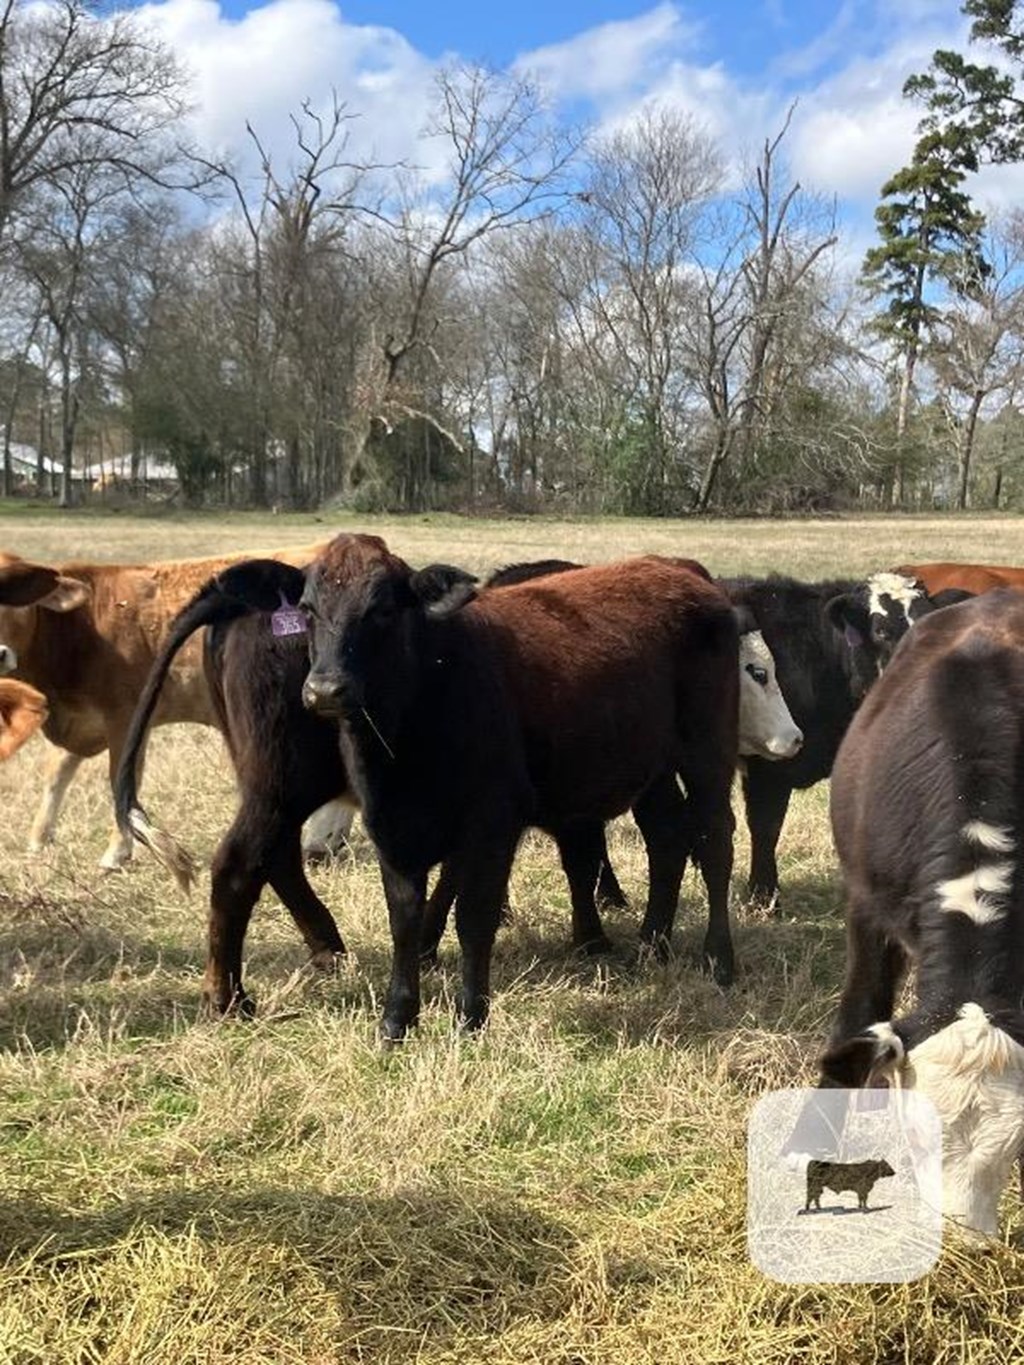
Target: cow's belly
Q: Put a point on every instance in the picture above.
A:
(596, 777)
(81, 730)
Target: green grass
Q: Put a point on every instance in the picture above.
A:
(567, 1189)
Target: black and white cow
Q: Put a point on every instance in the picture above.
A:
(881, 610)
(928, 818)
(830, 641)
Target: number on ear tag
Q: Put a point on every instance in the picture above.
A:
(287, 620)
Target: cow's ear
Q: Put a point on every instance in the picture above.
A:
(261, 583)
(442, 588)
(848, 615)
(23, 584)
(68, 594)
(869, 1058)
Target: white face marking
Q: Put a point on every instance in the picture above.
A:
(8, 659)
(897, 587)
(766, 727)
(888, 1037)
(973, 1073)
(997, 838)
(974, 893)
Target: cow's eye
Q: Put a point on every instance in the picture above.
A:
(759, 674)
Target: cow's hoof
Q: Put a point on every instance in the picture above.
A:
(237, 1006)
(328, 960)
(394, 1031)
(657, 950)
(596, 947)
(721, 970)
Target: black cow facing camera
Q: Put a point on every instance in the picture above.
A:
(838, 1176)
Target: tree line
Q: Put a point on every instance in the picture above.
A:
(537, 318)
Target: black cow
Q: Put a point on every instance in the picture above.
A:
(287, 764)
(826, 658)
(460, 727)
(837, 1176)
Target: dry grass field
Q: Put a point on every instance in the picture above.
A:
(568, 1189)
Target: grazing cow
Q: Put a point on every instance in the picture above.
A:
(838, 1176)
(562, 701)
(928, 818)
(85, 635)
(825, 664)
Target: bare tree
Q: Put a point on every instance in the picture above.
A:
(977, 345)
(80, 89)
(747, 297)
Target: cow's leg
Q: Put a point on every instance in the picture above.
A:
(437, 910)
(405, 897)
(766, 794)
(237, 876)
(662, 815)
(60, 769)
(315, 922)
(484, 873)
(874, 966)
(581, 847)
(708, 775)
(609, 892)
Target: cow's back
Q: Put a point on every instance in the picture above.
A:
(607, 667)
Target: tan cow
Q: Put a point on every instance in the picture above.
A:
(86, 635)
(22, 711)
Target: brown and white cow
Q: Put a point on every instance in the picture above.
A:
(928, 818)
(85, 635)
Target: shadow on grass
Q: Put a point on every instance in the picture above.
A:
(395, 1268)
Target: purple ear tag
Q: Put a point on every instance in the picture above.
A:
(852, 636)
(287, 620)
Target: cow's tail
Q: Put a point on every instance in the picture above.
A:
(216, 602)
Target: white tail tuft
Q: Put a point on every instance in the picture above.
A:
(182, 865)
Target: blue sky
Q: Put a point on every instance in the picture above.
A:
(734, 65)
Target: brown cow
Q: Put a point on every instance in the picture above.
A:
(86, 635)
(972, 578)
(22, 711)
(566, 700)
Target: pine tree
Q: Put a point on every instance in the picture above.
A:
(930, 236)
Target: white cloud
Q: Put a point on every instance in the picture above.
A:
(612, 59)
(262, 66)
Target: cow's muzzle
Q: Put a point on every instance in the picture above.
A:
(325, 695)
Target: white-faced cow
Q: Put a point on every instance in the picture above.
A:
(928, 817)
(826, 658)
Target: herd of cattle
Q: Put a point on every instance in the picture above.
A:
(455, 714)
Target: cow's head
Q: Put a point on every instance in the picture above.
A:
(26, 589)
(766, 727)
(875, 617)
(366, 609)
(973, 1072)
